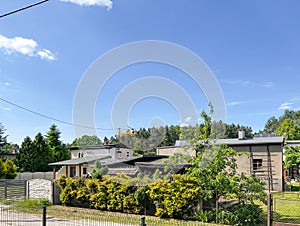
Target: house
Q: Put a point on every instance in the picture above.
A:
(118, 158)
(264, 157)
(83, 159)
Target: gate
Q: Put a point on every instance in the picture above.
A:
(13, 189)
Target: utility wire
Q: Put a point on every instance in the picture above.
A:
(21, 9)
(51, 118)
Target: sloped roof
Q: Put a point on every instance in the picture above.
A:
(80, 161)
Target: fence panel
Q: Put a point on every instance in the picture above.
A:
(12, 189)
(286, 209)
(10, 217)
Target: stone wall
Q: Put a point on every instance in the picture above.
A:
(40, 188)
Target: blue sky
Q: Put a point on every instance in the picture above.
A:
(252, 47)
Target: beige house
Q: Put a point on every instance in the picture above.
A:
(83, 159)
(263, 158)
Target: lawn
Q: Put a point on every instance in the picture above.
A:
(81, 214)
(286, 206)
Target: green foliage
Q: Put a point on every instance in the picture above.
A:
(289, 129)
(292, 158)
(33, 203)
(10, 169)
(99, 170)
(111, 193)
(2, 169)
(59, 150)
(86, 140)
(34, 156)
(3, 137)
(7, 169)
(177, 198)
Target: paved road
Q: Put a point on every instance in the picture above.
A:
(9, 217)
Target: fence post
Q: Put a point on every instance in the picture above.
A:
(143, 222)
(44, 216)
(270, 203)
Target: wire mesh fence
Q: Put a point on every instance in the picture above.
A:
(69, 216)
(286, 207)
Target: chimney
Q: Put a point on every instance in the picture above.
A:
(241, 134)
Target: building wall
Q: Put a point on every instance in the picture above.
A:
(245, 162)
(171, 150)
(260, 152)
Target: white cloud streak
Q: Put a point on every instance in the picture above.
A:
(5, 108)
(24, 46)
(285, 106)
(103, 3)
(234, 103)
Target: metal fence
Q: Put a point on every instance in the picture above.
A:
(62, 216)
(286, 208)
(13, 189)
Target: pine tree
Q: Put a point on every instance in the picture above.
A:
(57, 147)
(24, 156)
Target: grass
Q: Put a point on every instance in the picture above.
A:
(286, 206)
(77, 214)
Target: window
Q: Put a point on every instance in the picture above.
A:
(257, 164)
(84, 170)
(78, 154)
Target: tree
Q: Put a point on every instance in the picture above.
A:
(41, 155)
(87, 140)
(10, 169)
(292, 158)
(9, 148)
(24, 156)
(59, 149)
(271, 125)
(3, 137)
(99, 170)
(2, 169)
(289, 129)
(232, 131)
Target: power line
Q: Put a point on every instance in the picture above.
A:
(51, 118)
(21, 9)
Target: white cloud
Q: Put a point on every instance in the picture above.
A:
(24, 46)
(184, 124)
(234, 103)
(285, 106)
(104, 3)
(188, 119)
(46, 54)
(5, 108)
(7, 83)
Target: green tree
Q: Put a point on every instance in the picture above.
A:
(59, 149)
(24, 156)
(87, 140)
(3, 137)
(289, 129)
(292, 158)
(99, 170)
(2, 169)
(10, 169)
(9, 148)
(271, 125)
(232, 131)
(41, 155)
